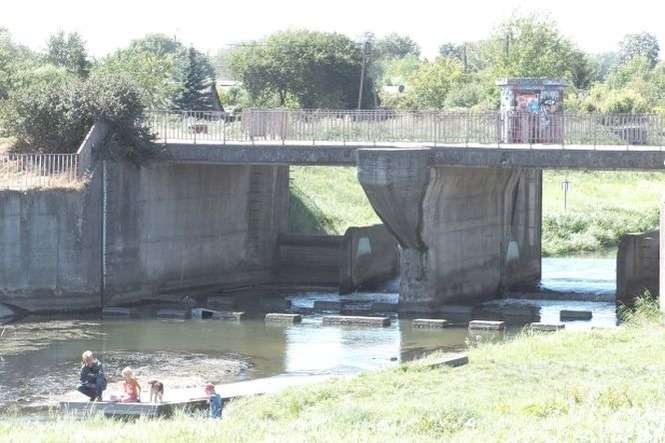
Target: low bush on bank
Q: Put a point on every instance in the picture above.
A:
(598, 385)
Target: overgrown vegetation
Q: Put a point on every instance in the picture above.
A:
(593, 385)
(601, 206)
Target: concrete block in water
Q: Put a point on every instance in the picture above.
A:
(328, 305)
(486, 325)
(450, 360)
(546, 327)
(457, 312)
(283, 318)
(118, 312)
(575, 315)
(384, 307)
(210, 314)
(430, 323)
(351, 320)
(172, 313)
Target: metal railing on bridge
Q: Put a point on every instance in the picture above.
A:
(322, 127)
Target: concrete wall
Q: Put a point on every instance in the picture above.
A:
(197, 227)
(363, 256)
(466, 233)
(50, 257)
(638, 260)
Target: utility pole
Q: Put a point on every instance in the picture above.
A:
(567, 187)
(362, 75)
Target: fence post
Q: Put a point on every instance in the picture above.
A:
(466, 129)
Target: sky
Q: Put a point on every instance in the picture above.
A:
(213, 24)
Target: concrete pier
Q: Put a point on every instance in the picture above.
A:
(466, 233)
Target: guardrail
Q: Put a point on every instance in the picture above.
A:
(28, 171)
(319, 127)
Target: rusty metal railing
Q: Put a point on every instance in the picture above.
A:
(321, 127)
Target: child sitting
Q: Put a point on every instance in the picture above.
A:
(216, 401)
(130, 386)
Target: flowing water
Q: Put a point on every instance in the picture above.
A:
(39, 358)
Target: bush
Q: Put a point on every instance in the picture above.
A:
(55, 115)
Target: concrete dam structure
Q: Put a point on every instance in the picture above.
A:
(463, 201)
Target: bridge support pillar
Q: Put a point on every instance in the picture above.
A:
(466, 233)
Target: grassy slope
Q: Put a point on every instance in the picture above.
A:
(601, 206)
(573, 385)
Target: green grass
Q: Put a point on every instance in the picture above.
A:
(601, 206)
(598, 385)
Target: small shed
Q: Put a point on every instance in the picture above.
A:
(532, 110)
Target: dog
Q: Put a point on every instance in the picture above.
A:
(156, 391)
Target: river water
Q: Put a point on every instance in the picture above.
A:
(39, 358)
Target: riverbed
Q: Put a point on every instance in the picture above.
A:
(39, 358)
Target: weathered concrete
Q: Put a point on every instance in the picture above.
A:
(638, 262)
(350, 320)
(429, 323)
(546, 327)
(283, 318)
(173, 313)
(452, 361)
(466, 233)
(195, 227)
(362, 257)
(567, 315)
(50, 256)
(486, 325)
(609, 158)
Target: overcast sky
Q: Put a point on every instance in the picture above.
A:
(595, 26)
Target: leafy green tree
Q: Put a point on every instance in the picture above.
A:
(68, 51)
(302, 68)
(15, 60)
(153, 72)
(643, 44)
(433, 81)
(395, 46)
(157, 44)
(531, 46)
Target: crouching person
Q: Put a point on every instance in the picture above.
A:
(93, 381)
(216, 402)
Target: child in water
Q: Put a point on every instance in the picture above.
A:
(216, 401)
(130, 386)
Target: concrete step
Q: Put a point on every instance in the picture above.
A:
(283, 318)
(487, 325)
(351, 320)
(575, 315)
(546, 327)
(450, 360)
(430, 323)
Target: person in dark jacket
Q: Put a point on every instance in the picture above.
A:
(93, 381)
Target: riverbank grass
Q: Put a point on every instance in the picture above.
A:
(598, 385)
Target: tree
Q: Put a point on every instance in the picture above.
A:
(643, 44)
(153, 72)
(68, 51)
(531, 46)
(394, 46)
(197, 79)
(433, 81)
(157, 44)
(302, 68)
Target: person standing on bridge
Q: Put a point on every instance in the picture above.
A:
(93, 381)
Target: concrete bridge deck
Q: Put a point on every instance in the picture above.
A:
(538, 156)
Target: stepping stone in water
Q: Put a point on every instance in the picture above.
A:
(429, 323)
(350, 320)
(283, 318)
(486, 325)
(546, 327)
(575, 315)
